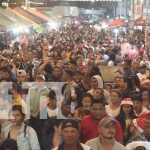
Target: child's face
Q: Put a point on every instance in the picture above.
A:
(86, 102)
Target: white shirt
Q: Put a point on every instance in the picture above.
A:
(112, 112)
(51, 112)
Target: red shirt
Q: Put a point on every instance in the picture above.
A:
(89, 129)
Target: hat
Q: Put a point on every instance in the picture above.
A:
(21, 73)
(141, 124)
(41, 77)
(106, 121)
(127, 101)
(145, 81)
(70, 123)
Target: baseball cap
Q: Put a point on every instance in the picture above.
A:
(70, 123)
(107, 122)
(21, 73)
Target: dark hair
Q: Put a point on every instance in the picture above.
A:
(16, 86)
(117, 91)
(128, 61)
(136, 96)
(77, 73)
(19, 108)
(121, 119)
(73, 62)
(10, 144)
(87, 95)
(143, 89)
(97, 101)
(133, 79)
(52, 94)
(69, 72)
(48, 132)
(140, 148)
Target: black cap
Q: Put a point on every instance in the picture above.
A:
(70, 123)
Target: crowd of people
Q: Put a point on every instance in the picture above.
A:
(54, 96)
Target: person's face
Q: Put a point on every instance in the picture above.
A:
(63, 54)
(114, 98)
(122, 84)
(94, 83)
(56, 72)
(70, 135)
(108, 88)
(126, 108)
(73, 56)
(51, 102)
(39, 82)
(80, 62)
(90, 56)
(125, 66)
(147, 85)
(137, 105)
(77, 78)
(17, 118)
(4, 63)
(86, 102)
(117, 81)
(98, 111)
(97, 94)
(108, 132)
(145, 95)
(65, 77)
(21, 78)
(4, 74)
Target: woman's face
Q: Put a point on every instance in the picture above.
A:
(17, 118)
(86, 102)
(97, 94)
(114, 97)
(94, 83)
(126, 108)
(145, 95)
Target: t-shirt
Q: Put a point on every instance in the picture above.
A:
(112, 113)
(89, 129)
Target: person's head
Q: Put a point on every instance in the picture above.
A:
(115, 96)
(98, 93)
(16, 89)
(70, 131)
(79, 61)
(4, 62)
(72, 65)
(72, 56)
(94, 83)
(137, 101)
(77, 75)
(107, 128)
(17, 115)
(123, 82)
(57, 72)
(52, 100)
(127, 64)
(135, 65)
(127, 107)
(67, 75)
(145, 94)
(108, 87)
(40, 78)
(21, 75)
(5, 72)
(117, 81)
(9, 144)
(98, 109)
(87, 99)
(146, 83)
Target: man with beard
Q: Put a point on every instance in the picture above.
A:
(106, 139)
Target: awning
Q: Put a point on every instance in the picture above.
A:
(30, 16)
(115, 23)
(26, 21)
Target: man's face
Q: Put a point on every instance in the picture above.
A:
(117, 81)
(4, 74)
(107, 132)
(125, 66)
(122, 83)
(57, 72)
(77, 78)
(98, 110)
(137, 106)
(70, 135)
